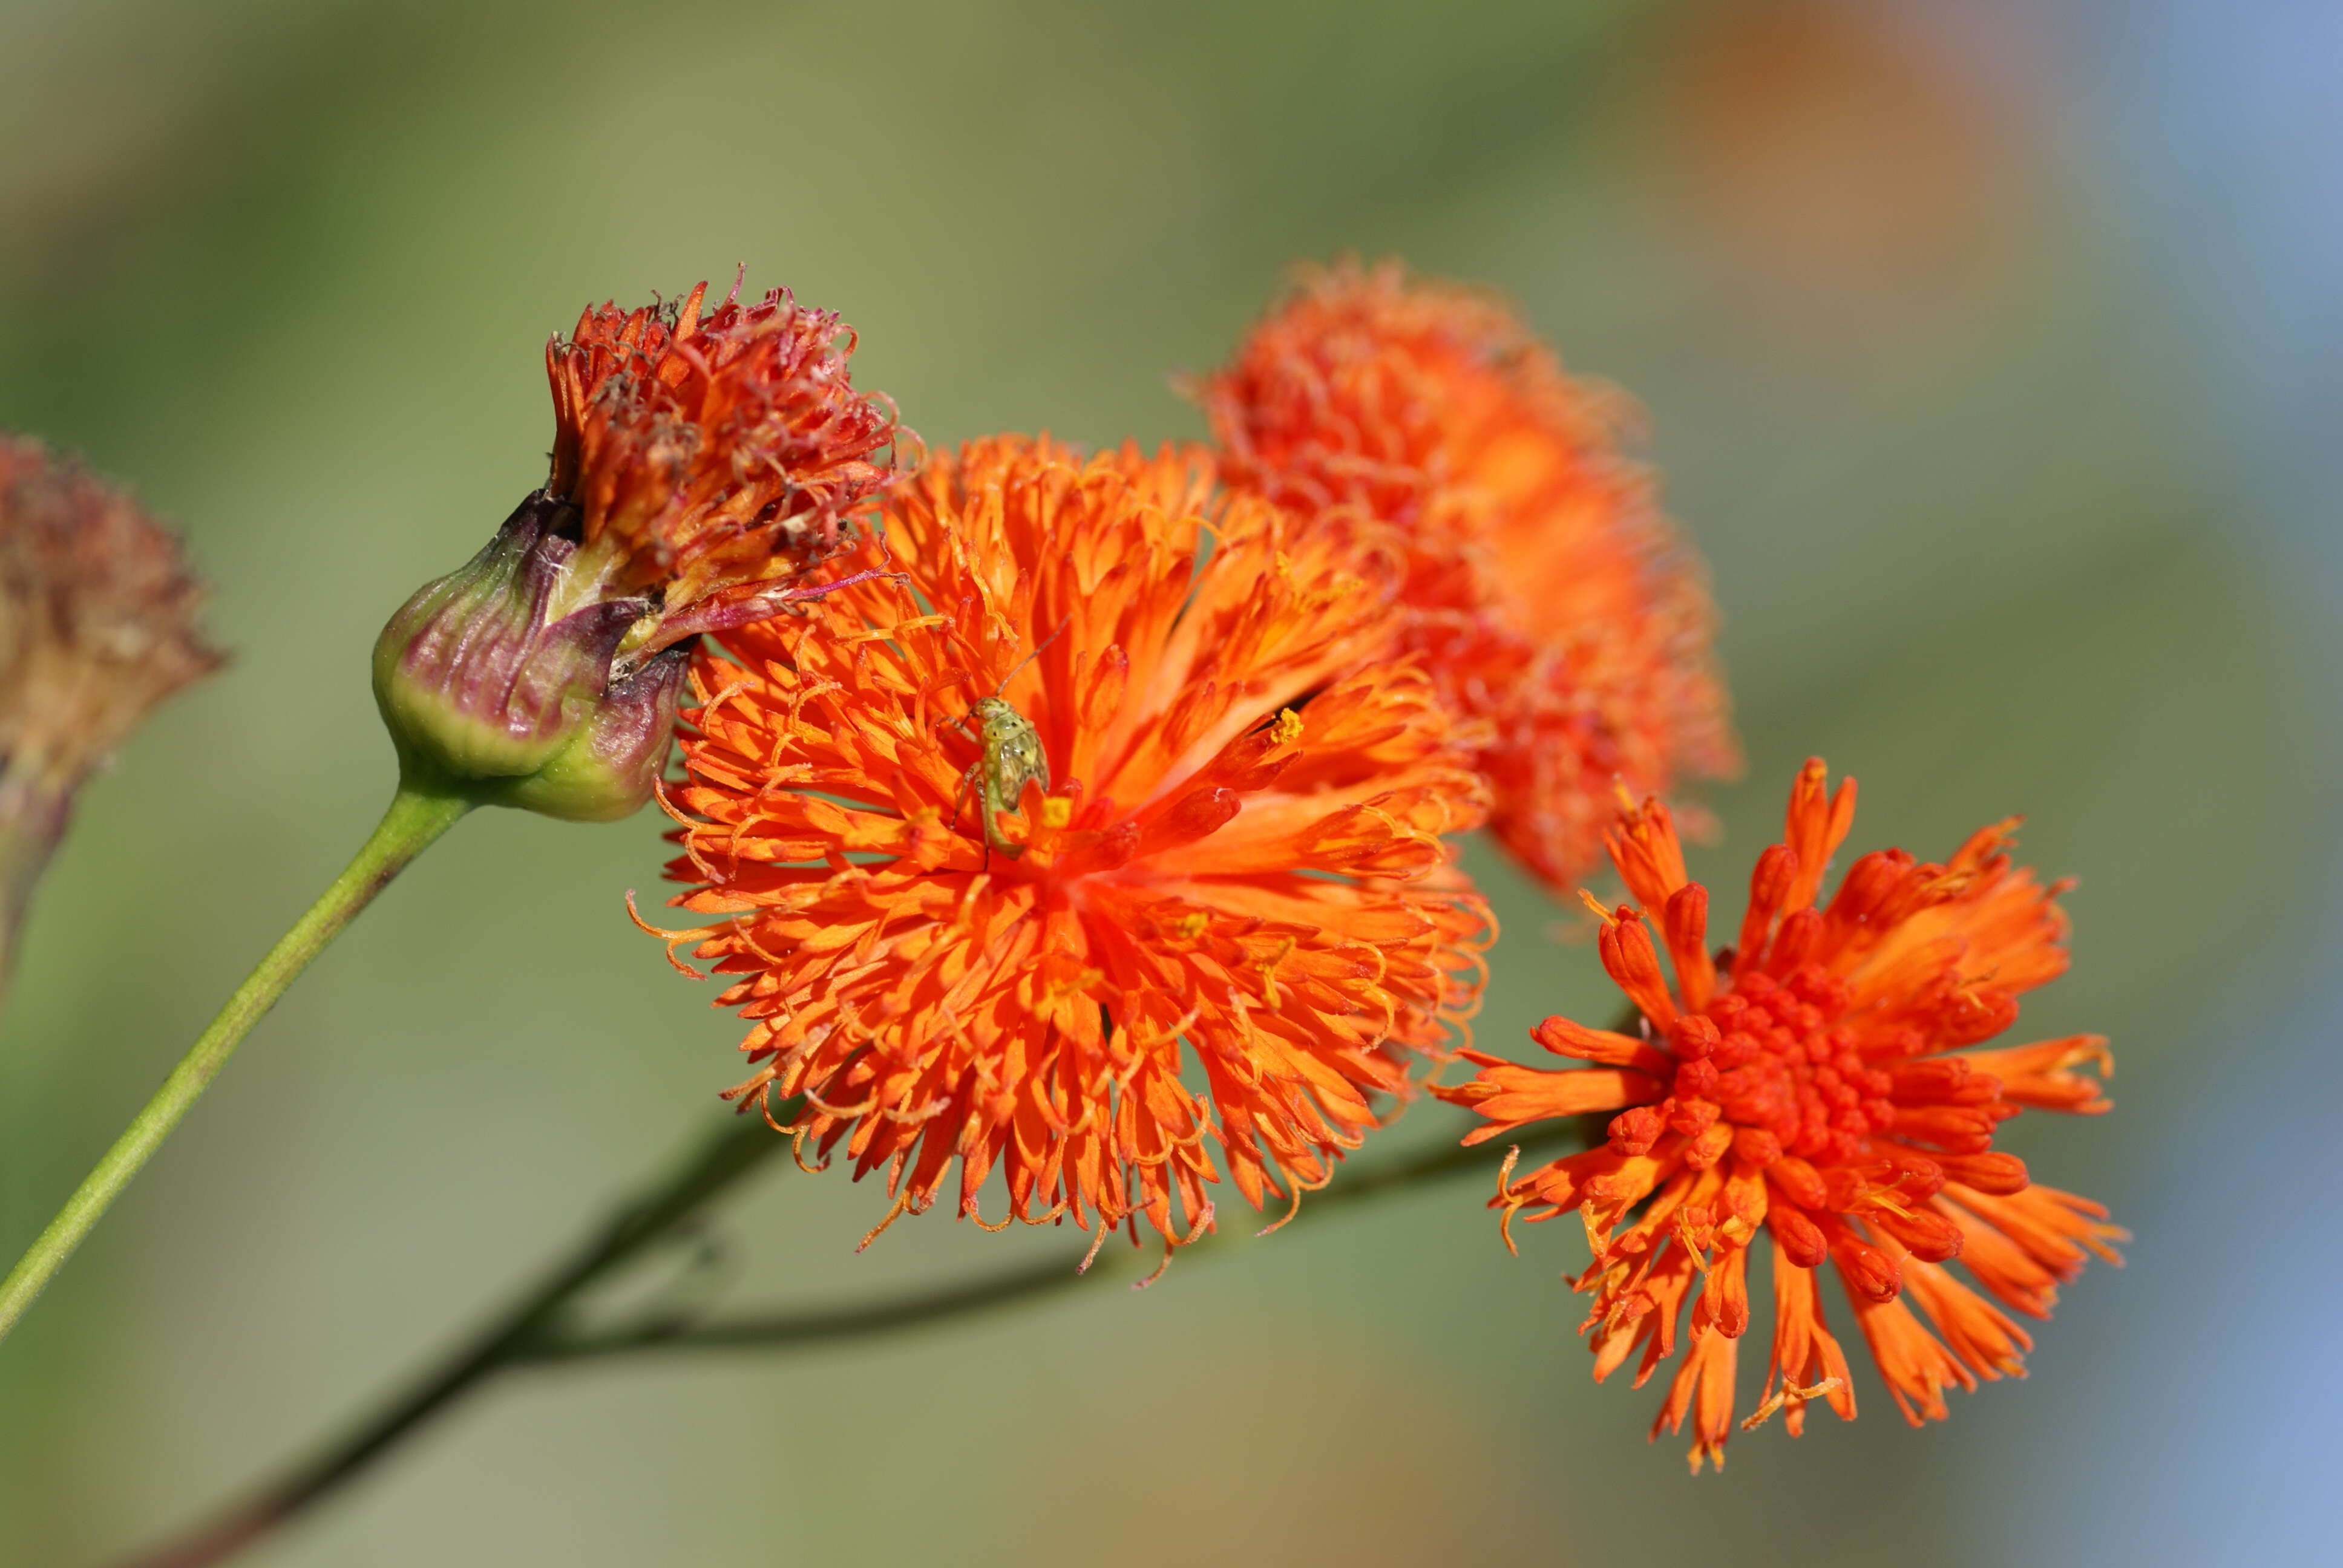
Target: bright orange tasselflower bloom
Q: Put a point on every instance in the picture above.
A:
(1547, 593)
(1222, 914)
(1810, 1083)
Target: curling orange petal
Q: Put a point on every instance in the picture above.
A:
(1546, 592)
(1822, 1097)
(1223, 937)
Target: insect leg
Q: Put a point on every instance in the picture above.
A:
(993, 806)
(967, 783)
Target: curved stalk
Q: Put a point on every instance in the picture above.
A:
(415, 817)
(871, 1320)
(533, 1332)
(732, 1153)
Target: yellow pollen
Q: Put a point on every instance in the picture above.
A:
(1057, 811)
(881, 633)
(1269, 972)
(1079, 985)
(1191, 926)
(2093, 1051)
(1886, 1198)
(1287, 728)
(1792, 1393)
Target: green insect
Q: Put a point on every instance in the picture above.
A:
(1013, 754)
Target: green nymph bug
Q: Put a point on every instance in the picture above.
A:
(1012, 755)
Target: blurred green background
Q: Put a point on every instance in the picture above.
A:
(1951, 323)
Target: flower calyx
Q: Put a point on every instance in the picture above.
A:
(509, 680)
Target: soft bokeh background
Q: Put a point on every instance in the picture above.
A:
(1991, 355)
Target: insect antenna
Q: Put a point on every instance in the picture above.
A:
(960, 720)
(1019, 666)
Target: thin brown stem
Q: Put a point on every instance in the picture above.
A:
(871, 1320)
(740, 1148)
(534, 1332)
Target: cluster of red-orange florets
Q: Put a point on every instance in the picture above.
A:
(1809, 1082)
(1090, 820)
(1546, 593)
(703, 465)
(711, 456)
(1231, 859)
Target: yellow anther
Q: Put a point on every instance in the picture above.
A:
(1081, 982)
(1268, 967)
(881, 633)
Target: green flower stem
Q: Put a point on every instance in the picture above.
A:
(417, 816)
(538, 1329)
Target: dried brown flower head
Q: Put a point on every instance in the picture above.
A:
(97, 625)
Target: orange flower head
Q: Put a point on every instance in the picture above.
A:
(1546, 592)
(702, 465)
(1211, 907)
(710, 458)
(1811, 1082)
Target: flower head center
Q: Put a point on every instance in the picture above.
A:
(1781, 1060)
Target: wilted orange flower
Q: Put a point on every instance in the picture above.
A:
(1807, 1082)
(1232, 864)
(711, 457)
(702, 465)
(1548, 593)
